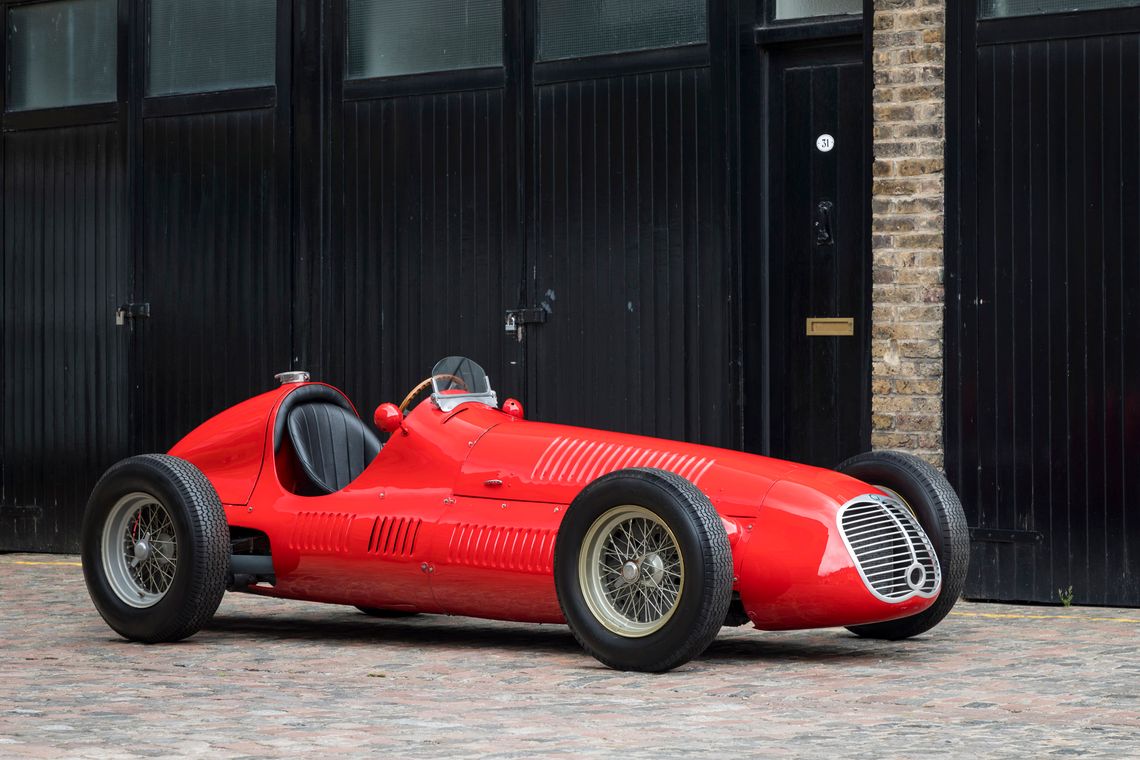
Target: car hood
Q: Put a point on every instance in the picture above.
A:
(534, 461)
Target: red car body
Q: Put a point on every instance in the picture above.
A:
(460, 513)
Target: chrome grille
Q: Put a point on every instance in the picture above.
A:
(890, 549)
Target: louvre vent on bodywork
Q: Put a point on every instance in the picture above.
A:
(321, 532)
(580, 461)
(528, 550)
(394, 536)
(891, 551)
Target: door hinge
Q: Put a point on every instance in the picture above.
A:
(131, 311)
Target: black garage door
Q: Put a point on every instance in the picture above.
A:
(1043, 375)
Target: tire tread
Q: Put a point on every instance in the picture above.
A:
(210, 533)
(716, 594)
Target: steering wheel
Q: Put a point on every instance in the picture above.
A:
(424, 384)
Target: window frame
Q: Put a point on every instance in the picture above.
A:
(213, 101)
(1054, 26)
(615, 56)
(421, 82)
(769, 16)
(476, 77)
(77, 114)
(1056, 15)
(600, 65)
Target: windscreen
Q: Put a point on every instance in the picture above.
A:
(457, 379)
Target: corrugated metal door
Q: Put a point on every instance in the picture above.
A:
(425, 251)
(213, 212)
(1043, 372)
(65, 271)
(630, 215)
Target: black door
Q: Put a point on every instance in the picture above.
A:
(65, 269)
(426, 237)
(1042, 271)
(213, 223)
(819, 265)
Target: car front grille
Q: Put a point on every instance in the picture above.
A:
(890, 549)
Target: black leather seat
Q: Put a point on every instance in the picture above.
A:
(332, 444)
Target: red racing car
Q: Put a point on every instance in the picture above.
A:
(644, 547)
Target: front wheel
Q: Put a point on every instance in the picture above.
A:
(930, 498)
(643, 570)
(156, 548)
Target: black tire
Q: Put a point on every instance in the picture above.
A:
(380, 612)
(202, 553)
(939, 512)
(702, 543)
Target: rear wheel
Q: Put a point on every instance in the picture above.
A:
(932, 500)
(643, 570)
(155, 548)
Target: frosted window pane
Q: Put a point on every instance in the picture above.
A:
(786, 9)
(393, 37)
(576, 28)
(62, 54)
(210, 45)
(999, 8)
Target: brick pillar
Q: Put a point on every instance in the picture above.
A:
(908, 298)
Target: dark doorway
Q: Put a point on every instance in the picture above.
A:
(819, 258)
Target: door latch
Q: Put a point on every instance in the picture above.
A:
(518, 319)
(131, 311)
(823, 222)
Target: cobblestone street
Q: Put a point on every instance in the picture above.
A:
(269, 678)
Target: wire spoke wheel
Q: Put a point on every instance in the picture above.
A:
(631, 571)
(140, 549)
(156, 548)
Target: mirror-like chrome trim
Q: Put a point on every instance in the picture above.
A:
(894, 514)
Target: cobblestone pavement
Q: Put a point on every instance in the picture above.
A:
(271, 678)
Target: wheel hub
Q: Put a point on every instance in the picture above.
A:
(630, 572)
(142, 550)
(653, 567)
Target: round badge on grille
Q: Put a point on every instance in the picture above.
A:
(916, 576)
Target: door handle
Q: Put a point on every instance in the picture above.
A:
(823, 222)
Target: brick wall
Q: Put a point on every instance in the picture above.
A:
(908, 202)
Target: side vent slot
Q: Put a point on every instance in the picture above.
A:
(394, 536)
(325, 532)
(528, 550)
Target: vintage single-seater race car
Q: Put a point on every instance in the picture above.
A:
(644, 547)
